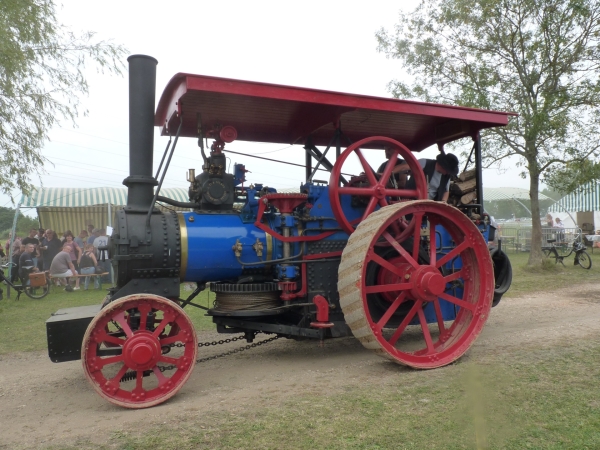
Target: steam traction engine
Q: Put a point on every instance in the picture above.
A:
(412, 279)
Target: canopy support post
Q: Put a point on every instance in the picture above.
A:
(10, 251)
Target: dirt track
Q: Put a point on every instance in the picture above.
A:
(47, 404)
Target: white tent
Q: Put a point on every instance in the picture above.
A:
(583, 205)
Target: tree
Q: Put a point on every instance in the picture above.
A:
(24, 223)
(41, 78)
(539, 58)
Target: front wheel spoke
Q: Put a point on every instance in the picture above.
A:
(171, 340)
(452, 253)
(388, 237)
(405, 323)
(161, 326)
(159, 375)
(426, 333)
(122, 321)
(388, 288)
(144, 310)
(139, 379)
(390, 311)
(457, 301)
(120, 374)
(110, 360)
(168, 359)
(105, 337)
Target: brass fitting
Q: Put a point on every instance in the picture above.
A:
(237, 248)
(258, 248)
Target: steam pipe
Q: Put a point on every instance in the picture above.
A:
(172, 202)
(142, 91)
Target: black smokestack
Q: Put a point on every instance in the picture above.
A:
(142, 91)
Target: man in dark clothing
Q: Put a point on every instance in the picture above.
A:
(31, 239)
(27, 263)
(51, 246)
(438, 172)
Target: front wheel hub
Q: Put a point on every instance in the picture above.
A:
(142, 351)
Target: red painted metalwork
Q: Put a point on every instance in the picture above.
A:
(286, 203)
(147, 324)
(228, 134)
(288, 286)
(262, 205)
(397, 282)
(377, 191)
(322, 313)
(263, 112)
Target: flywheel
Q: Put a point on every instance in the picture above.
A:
(421, 299)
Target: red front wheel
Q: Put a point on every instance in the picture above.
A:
(139, 350)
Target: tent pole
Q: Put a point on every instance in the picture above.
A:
(10, 251)
(109, 222)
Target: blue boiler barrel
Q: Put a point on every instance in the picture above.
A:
(206, 246)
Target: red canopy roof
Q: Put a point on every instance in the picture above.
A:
(263, 112)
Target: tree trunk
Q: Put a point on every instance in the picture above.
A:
(535, 256)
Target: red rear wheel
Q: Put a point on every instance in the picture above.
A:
(139, 350)
(374, 191)
(412, 300)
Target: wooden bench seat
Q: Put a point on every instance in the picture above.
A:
(81, 276)
(54, 279)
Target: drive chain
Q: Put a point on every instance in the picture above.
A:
(220, 355)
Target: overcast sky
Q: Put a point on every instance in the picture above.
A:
(318, 44)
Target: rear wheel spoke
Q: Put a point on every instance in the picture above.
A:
(385, 264)
(400, 250)
(439, 316)
(458, 301)
(452, 254)
(405, 323)
(391, 310)
(426, 333)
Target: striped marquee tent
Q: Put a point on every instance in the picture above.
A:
(74, 208)
(585, 201)
(585, 198)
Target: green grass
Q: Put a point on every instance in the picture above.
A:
(22, 323)
(538, 399)
(549, 276)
